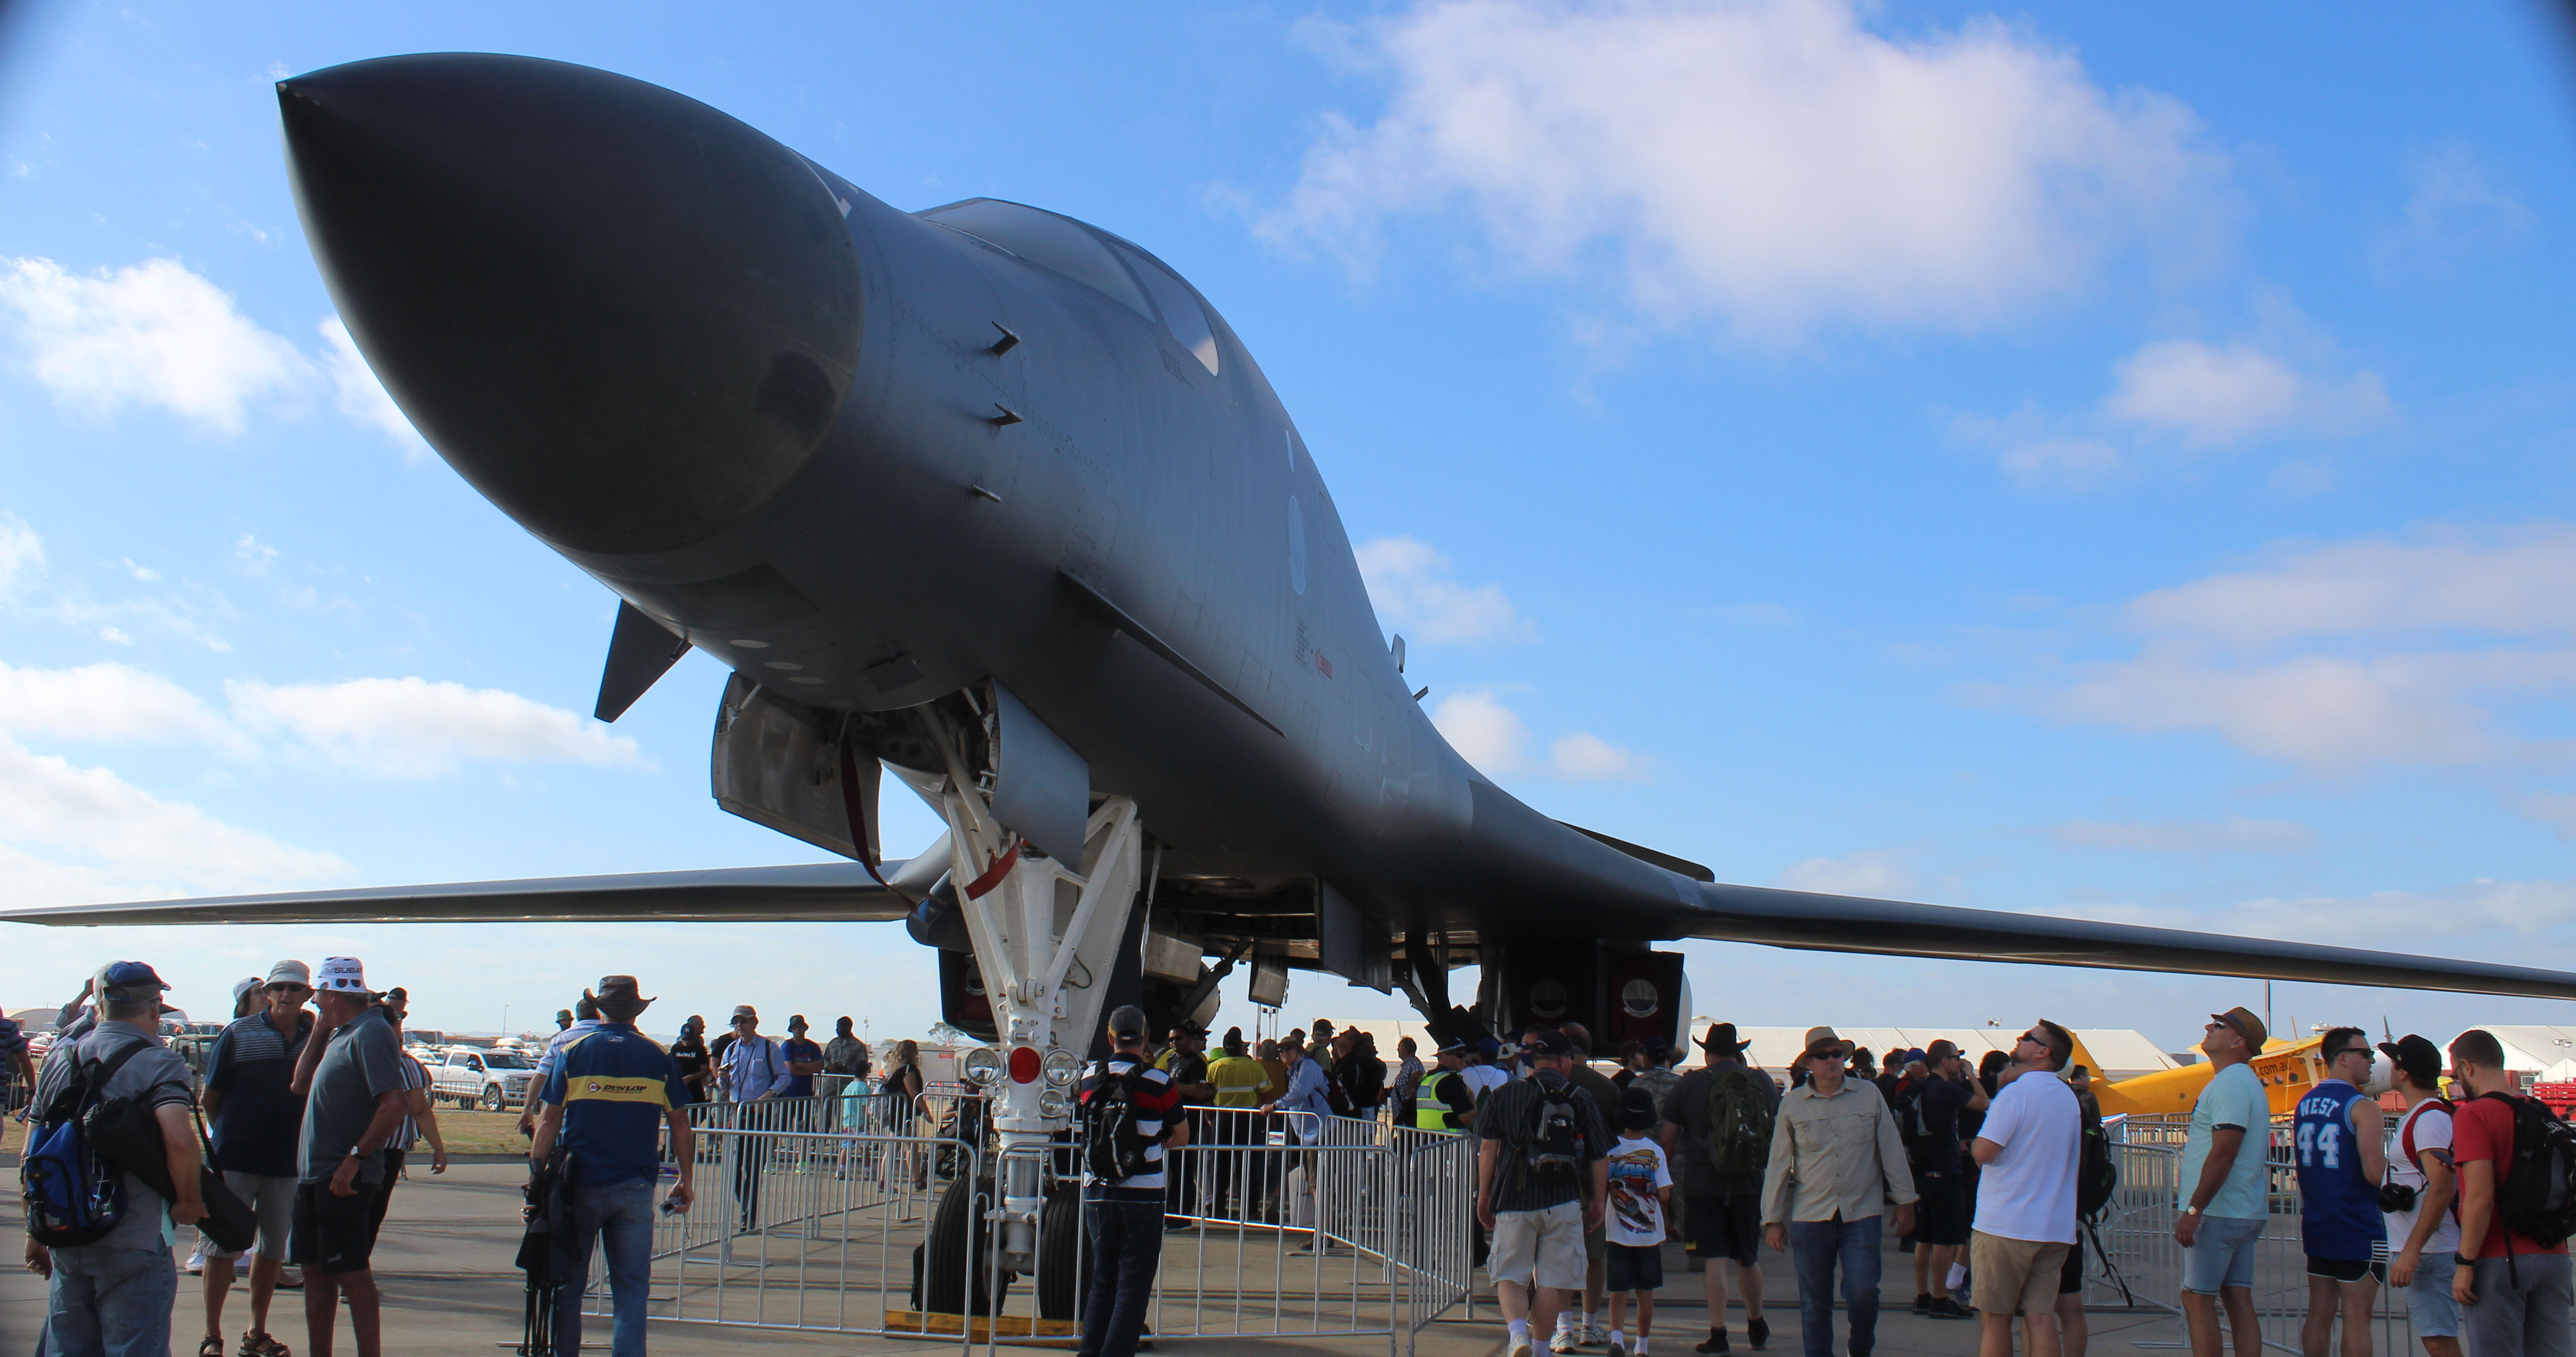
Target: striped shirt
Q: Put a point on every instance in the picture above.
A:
(1156, 1099)
(406, 1137)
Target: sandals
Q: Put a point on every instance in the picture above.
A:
(213, 1346)
(259, 1345)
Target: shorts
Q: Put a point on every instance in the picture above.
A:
(2428, 1298)
(2014, 1276)
(2070, 1279)
(1728, 1227)
(272, 1204)
(2346, 1269)
(2221, 1255)
(1635, 1267)
(1539, 1248)
(334, 1234)
(1941, 1211)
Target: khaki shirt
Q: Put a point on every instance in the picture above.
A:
(1834, 1156)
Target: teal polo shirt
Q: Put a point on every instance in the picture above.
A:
(616, 1087)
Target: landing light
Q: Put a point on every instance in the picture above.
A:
(1052, 1106)
(1062, 1067)
(983, 1066)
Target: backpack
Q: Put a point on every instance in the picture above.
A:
(1552, 1143)
(74, 1196)
(1907, 1107)
(1739, 1123)
(2538, 1193)
(2096, 1177)
(1113, 1150)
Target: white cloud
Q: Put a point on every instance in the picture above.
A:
(1485, 733)
(2450, 207)
(254, 555)
(22, 554)
(115, 636)
(1409, 582)
(362, 397)
(2522, 909)
(144, 573)
(153, 333)
(1583, 757)
(2071, 464)
(2236, 834)
(2513, 582)
(110, 702)
(1771, 163)
(1877, 873)
(2212, 396)
(2350, 654)
(71, 835)
(411, 728)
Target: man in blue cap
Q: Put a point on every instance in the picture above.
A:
(114, 1293)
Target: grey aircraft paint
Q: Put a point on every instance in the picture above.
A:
(877, 461)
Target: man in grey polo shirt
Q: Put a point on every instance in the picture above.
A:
(352, 1066)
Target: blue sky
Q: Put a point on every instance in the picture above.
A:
(2056, 461)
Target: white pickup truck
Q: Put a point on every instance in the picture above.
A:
(494, 1081)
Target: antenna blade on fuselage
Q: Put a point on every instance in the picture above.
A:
(1843, 923)
(640, 651)
(822, 891)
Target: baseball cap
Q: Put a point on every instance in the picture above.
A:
(343, 975)
(2246, 1025)
(244, 986)
(1546, 1041)
(290, 973)
(1127, 1020)
(1914, 1057)
(2418, 1056)
(125, 979)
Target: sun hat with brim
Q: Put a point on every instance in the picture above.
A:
(1721, 1039)
(1822, 1037)
(2242, 1022)
(290, 973)
(342, 975)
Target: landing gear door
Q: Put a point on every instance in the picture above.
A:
(776, 764)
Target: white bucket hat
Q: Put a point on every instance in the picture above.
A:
(343, 975)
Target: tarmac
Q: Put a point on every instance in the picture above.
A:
(443, 1264)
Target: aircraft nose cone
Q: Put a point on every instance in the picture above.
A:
(625, 317)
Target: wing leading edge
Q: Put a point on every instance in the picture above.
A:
(1843, 923)
(829, 891)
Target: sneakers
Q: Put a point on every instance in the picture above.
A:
(1757, 1331)
(1923, 1302)
(1594, 1336)
(1946, 1308)
(1565, 1340)
(1716, 1342)
(1618, 1345)
(1520, 1348)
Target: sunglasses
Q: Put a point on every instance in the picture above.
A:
(2034, 1038)
(1828, 1055)
(288, 987)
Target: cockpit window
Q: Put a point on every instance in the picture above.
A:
(1181, 313)
(1044, 238)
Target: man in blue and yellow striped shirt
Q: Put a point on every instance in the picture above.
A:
(606, 1101)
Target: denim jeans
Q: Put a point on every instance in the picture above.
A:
(1815, 1246)
(1126, 1246)
(108, 1302)
(622, 1216)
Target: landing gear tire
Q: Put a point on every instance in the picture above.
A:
(953, 1258)
(1063, 1254)
(493, 1101)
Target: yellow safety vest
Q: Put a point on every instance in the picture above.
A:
(1429, 1112)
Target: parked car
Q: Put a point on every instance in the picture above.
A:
(492, 1080)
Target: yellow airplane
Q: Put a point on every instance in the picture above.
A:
(2287, 1069)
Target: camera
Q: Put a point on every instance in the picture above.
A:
(2395, 1197)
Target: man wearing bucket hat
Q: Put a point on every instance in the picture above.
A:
(2224, 1187)
(1717, 1125)
(351, 1070)
(1836, 1159)
(255, 1114)
(607, 1101)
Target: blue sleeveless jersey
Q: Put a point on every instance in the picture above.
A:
(2338, 1206)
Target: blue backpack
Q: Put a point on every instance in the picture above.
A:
(74, 1196)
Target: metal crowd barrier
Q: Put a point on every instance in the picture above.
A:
(2144, 1268)
(826, 1218)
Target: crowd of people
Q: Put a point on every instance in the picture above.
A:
(1985, 1175)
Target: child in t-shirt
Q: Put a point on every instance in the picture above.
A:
(1641, 1183)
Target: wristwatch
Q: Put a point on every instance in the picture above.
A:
(2188, 1210)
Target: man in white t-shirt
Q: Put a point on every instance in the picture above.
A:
(2426, 1236)
(2026, 1152)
